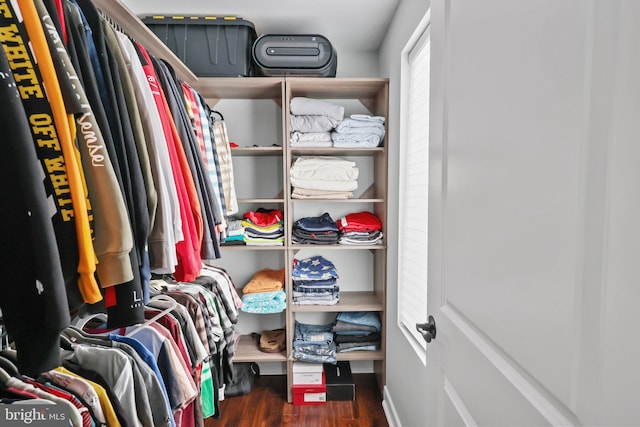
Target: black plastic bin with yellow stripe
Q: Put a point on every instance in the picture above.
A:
(210, 46)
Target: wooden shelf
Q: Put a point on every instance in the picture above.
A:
(336, 151)
(361, 355)
(337, 88)
(257, 151)
(253, 247)
(349, 301)
(240, 87)
(248, 351)
(354, 200)
(338, 247)
(260, 201)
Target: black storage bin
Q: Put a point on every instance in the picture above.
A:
(209, 46)
(294, 54)
(340, 384)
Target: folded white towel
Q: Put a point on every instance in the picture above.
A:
(355, 140)
(313, 123)
(315, 107)
(325, 172)
(317, 184)
(367, 118)
(358, 126)
(323, 160)
(310, 136)
(305, 193)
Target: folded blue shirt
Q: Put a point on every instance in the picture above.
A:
(323, 222)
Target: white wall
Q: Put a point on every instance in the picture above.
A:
(404, 370)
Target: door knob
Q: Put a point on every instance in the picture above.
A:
(427, 330)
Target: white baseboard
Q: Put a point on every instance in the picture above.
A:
(390, 409)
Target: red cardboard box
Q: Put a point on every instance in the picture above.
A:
(310, 394)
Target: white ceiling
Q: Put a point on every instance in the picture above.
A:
(350, 25)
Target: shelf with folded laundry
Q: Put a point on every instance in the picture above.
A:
(334, 178)
(351, 336)
(356, 229)
(321, 123)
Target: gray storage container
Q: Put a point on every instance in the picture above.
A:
(294, 54)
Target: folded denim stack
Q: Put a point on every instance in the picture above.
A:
(323, 177)
(321, 230)
(315, 282)
(312, 121)
(360, 228)
(264, 293)
(359, 131)
(357, 331)
(264, 227)
(313, 343)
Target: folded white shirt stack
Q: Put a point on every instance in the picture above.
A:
(323, 177)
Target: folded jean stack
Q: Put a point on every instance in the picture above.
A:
(323, 177)
(360, 228)
(264, 293)
(315, 282)
(312, 121)
(321, 230)
(359, 131)
(264, 227)
(357, 331)
(314, 343)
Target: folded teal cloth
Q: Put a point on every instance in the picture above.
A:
(264, 302)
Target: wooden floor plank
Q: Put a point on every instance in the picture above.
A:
(266, 406)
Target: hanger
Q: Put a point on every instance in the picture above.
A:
(172, 305)
(80, 322)
(4, 337)
(211, 114)
(75, 334)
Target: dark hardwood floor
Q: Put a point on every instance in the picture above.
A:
(266, 406)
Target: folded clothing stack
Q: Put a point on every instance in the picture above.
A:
(235, 232)
(321, 230)
(360, 228)
(356, 331)
(264, 227)
(314, 343)
(315, 282)
(264, 293)
(323, 177)
(312, 121)
(359, 131)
